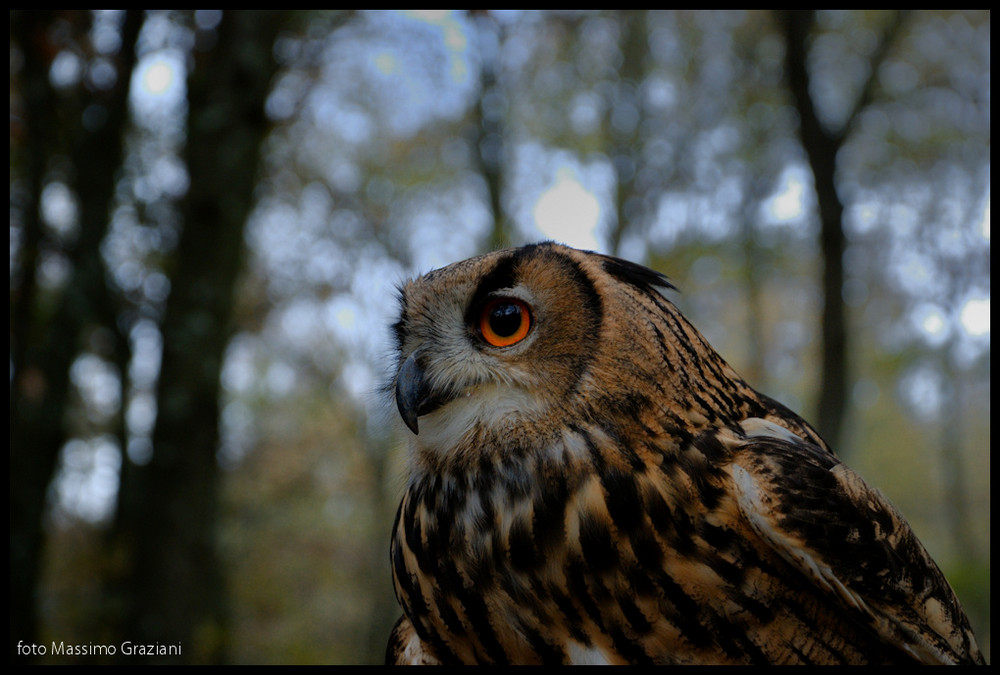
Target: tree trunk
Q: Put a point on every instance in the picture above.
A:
(168, 517)
(488, 118)
(821, 146)
(626, 112)
(821, 150)
(46, 333)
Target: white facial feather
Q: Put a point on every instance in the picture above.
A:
(484, 406)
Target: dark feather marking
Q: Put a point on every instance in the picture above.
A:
(674, 529)
(631, 650)
(633, 615)
(433, 638)
(622, 500)
(481, 627)
(413, 538)
(572, 619)
(451, 620)
(548, 653)
(576, 582)
(597, 545)
(648, 553)
(549, 517)
(686, 612)
(734, 642)
(521, 547)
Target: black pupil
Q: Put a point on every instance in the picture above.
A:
(505, 319)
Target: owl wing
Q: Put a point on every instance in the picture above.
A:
(847, 538)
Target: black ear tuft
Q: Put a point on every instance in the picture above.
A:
(638, 275)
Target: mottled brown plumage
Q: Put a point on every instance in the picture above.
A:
(591, 483)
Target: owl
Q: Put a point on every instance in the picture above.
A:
(590, 482)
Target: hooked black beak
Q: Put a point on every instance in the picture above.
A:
(414, 397)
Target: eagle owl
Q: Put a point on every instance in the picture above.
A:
(590, 482)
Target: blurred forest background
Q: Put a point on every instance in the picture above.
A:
(209, 213)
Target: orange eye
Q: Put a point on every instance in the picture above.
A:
(504, 322)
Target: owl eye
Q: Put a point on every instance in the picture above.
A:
(504, 322)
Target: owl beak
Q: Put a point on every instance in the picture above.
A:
(412, 392)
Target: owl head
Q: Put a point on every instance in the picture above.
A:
(525, 340)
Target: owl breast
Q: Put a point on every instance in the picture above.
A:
(555, 561)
